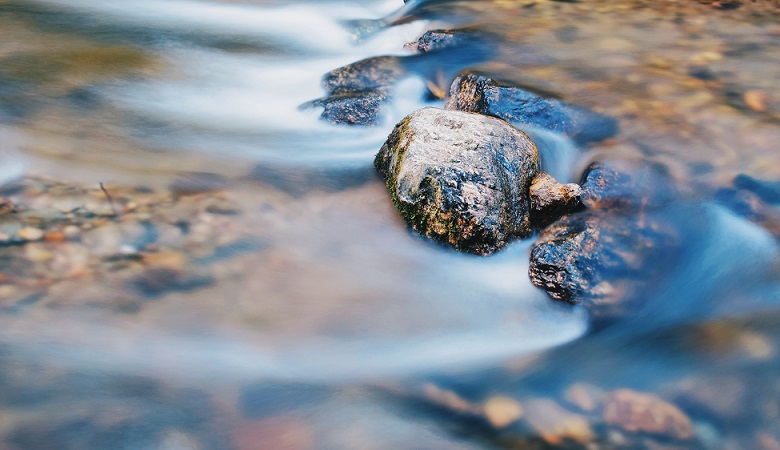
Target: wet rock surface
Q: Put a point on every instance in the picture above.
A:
(586, 257)
(460, 178)
(619, 239)
(551, 199)
(378, 73)
(474, 93)
(354, 108)
(434, 40)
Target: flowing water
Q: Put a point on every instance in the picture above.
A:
(313, 317)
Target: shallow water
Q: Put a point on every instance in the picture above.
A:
(311, 317)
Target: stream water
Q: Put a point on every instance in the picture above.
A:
(325, 322)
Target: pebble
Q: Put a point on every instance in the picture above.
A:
(638, 412)
(30, 233)
(6, 290)
(755, 100)
(556, 425)
(583, 396)
(38, 253)
(501, 411)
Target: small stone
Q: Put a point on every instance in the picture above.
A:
(193, 183)
(38, 253)
(353, 108)
(502, 411)
(30, 233)
(6, 206)
(55, 236)
(583, 396)
(550, 199)
(755, 100)
(637, 412)
(71, 230)
(376, 74)
(636, 185)
(448, 399)
(7, 290)
(169, 260)
(556, 425)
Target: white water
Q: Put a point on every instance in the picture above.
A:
(246, 105)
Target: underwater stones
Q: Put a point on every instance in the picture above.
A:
(483, 95)
(638, 412)
(370, 74)
(356, 92)
(550, 199)
(643, 184)
(583, 257)
(355, 108)
(460, 178)
(434, 40)
(768, 191)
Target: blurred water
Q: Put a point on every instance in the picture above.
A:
(320, 328)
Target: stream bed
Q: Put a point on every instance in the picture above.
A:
(191, 258)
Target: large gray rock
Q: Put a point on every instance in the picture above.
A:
(460, 178)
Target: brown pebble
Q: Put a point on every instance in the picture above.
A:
(502, 411)
(30, 233)
(646, 413)
(755, 100)
(6, 206)
(168, 260)
(55, 236)
(555, 425)
(584, 396)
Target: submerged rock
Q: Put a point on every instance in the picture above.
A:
(550, 199)
(749, 205)
(356, 108)
(609, 186)
(768, 191)
(460, 178)
(474, 93)
(638, 412)
(434, 40)
(585, 257)
(370, 74)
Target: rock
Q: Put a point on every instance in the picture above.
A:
(298, 179)
(720, 398)
(194, 183)
(30, 233)
(6, 206)
(638, 412)
(501, 411)
(375, 74)
(768, 191)
(353, 108)
(585, 257)
(641, 185)
(585, 397)
(460, 178)
(551, 199)
(750, 206)
(434, 40)
(473, 93)
(556, 425)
